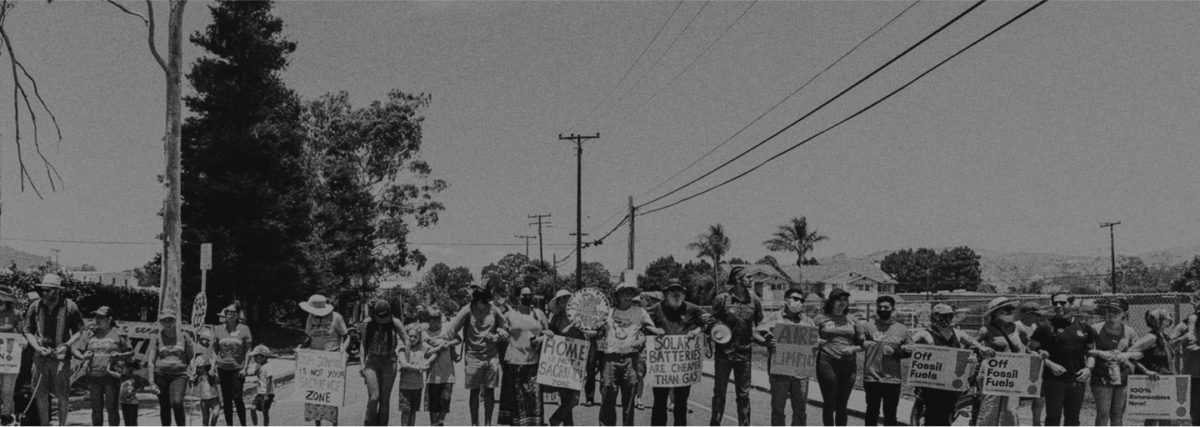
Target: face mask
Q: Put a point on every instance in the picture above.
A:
(883, 315)
(942, 321)
(527, 301)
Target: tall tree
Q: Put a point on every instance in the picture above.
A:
(797, 238)
(714, 244)
(247, 185)
(1189, 279)
(926, 270)
(595, 275)
(443, 285)
(659, 272)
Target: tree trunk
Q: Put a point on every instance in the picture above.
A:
(171, 294)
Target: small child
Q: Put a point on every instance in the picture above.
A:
(265, 395)
(131, 384)
(412, 375)
(208, 386)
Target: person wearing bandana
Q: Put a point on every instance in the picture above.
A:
(881, 364)
(1064, 344)
(939, 404)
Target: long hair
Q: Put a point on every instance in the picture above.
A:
(827, 307)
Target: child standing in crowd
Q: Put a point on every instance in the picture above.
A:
(439, 380)
(265, 395)
(413, 365)
(131, 384)
(207, 385)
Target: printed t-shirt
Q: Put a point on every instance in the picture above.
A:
(207, 386)
(263, 377)
(623, 334)
(172, 359)
(878, 368)
(476, 331)
(839, 333)
(741, 316)
(102, 346)
(232, 346)
(441, 369)
(1067, 343)
(522, 328)
(326, 332)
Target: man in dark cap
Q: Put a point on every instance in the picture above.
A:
(676, 317)
(740, 311)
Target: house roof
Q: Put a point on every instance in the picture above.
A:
(837, 271)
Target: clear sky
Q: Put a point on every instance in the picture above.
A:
(1080, 113)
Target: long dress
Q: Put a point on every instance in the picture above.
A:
(520, 393)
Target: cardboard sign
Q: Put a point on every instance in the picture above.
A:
(794, 351)
(1012, 374)
(673, 360)
(588, 309)
(206, 256)
(943, 368)
(563, 362)
(11, 346)
(199, 309)
(320, 377)
(1165, 398)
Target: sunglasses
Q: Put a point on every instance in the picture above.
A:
(796, 299)
(1060, 303)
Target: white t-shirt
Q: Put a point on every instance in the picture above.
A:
(624, 331)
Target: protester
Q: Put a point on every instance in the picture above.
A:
(439, 379)
(1157, 358)
(10, 323)
(232, 346)
(786, 388)
(413, 365)
(325, 330)
(676, 317)
(208, 388)
(264, 393)
(1028, 322)
(641, 365)
(881, 364)
(592, 372)
(940, 404)
(383, 337)
(170, 361)
(841, 338)
(1064, 343)
(561, 325)
(131, 384)
(520, 393)
(622, 340)
(483, 326)
(104, 345)
(52, 323)
(1191, 354)
(1000, 333)
(1111, 375)
(737, 308)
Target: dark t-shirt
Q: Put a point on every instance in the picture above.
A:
(1067, 342)
(742, 316)
(677, 321)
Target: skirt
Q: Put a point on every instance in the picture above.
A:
(520, 396)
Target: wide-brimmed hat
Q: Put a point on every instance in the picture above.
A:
(52, 281)
(625, 287)
(999, 303)
(317, 305)
(557, 302)
(260, 350)
(675, 285)
(652, 296)
(104, 310)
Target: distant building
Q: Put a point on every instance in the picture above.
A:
(115, 278)
(863, 279)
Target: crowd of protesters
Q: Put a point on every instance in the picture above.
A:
(499, 344)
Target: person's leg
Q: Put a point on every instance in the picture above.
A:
(780, 389)
(62, 390)
(741, 383)
(8, 389)
(206, 412)
(939, 406)
(489, 404)
(508, 394)
(225, 380)
(178, 390)
(164, 399)
(130, 413)
(799, 398)
(1119, 394)
(608, 392)
(891, 399)
(473, 405)
(658, 409)
(681, 408)
(254, 409)
(827, 381)
(387, 381)
(1195, 401)
(239, 400)
(721, 370)
(628, 385)
(1103, 398)
(370, 376)
(874, 393)
(95, 388)
(41, 388)
(266, 411)
(1037, 408)
(1056, 395)
(847, 371)
(594, 364)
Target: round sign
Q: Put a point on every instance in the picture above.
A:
(588, 309)
(721, 333)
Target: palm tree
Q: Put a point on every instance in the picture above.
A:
(795, 237)
(713, 244)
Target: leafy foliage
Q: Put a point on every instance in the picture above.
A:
(1189, 279)
(446, 287)
(127, 303)
(714, 244)
(925, 270)
(795, 237)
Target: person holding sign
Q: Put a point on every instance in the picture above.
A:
(787, 388)
(1191, 354)
(622, 340)
(841, 339)
(939, 405)
(1155, 347)
(10, 323)
(1111, 376)
(881, 362)
(324, 330)
(1000, 333)
(560, 325)
(1064, 343)
(740, 312)
(52, 324)
(676, 317)
(520, 393)
(482, 326)
(105, 344)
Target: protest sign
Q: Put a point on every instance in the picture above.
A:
(673, 360)
(1164, 398)
(938, 367)
(588, 309)
(1013, 375)
(320, 377)
(11, 346)
(563, 362)
(794, 351)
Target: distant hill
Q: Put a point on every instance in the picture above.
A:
(1172, 256)
(24, 260)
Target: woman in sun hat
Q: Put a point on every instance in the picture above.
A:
(1000, 333)
(170, 359)
(104, 344)
(325, 330)
(232, 348)
(940, 404)
(1111, 375)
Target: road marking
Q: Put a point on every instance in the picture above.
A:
(693, 402)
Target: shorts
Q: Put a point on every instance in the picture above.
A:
(262, 402)
(437, 397)
(409, 401)
(481, 373)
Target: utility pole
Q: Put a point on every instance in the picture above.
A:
(578, 140)
(541, 252)
(526, 244)
(631, 234)
(1112, 248)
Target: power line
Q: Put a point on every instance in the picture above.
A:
(482, 244)
(859, 112)
(85, 242)
(827, 102)
(613, 106)
(781, 101)
(634, 64)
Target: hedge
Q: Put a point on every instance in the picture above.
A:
(127, 303)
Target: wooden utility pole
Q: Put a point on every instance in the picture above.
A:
(541, 252)
(526, 244)
(1112, 248)
(578, 140)
(632, 215)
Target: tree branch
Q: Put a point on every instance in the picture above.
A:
(148, 20)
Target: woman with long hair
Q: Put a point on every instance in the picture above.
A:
(1114, 340)
(231, 345)
(104, 345)
(383, 337)
(841, 339)
(1001, 334)
(520, 394)
(170, 359)
(1157, 358)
